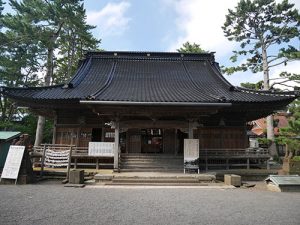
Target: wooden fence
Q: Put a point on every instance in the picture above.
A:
(228, 158)
(79, 156)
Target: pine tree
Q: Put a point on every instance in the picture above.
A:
(48, 23)
(265, 30)
(187, 47)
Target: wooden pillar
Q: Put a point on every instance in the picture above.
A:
(102, 134)
(75, 163)
(116, 150)
(97, 163)
(175, 142)
(54, 130)
(227, 164)
(191, 134)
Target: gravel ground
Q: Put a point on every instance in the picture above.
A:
(51, 203)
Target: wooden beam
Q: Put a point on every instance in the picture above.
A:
(153, 124)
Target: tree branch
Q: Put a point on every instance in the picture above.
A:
(272, 60)
(282, 83)
(284, 61)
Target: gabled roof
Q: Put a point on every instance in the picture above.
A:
(260, 125)
(148, 77)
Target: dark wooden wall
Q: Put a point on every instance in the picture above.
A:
(221, 137)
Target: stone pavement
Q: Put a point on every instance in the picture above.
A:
(50, 203)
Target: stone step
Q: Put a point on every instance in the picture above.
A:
(150, 163)
(151, 170)
(158, 184)
(154, 169)
(155, 180)
(152, 159)
(158, 156)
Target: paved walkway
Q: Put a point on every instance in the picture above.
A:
(50, 203)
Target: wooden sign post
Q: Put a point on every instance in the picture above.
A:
(13, 162)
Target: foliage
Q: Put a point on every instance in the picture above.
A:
(264, 141)
(27, 126)
(187, 47)
(265, 30)
(254, 86)
(38, 39)
(296, 158)
(291, 135)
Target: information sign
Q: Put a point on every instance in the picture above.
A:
(13, 162)
(101, 148)
(191, 154)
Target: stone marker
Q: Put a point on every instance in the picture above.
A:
(76, 177)
(231, 179)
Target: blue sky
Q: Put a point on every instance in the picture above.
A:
(163, 25)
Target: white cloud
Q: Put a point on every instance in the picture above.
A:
(200, 22)
(291, 67)
(110, 20)
(248, 76)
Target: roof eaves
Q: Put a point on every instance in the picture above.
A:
(269, 92)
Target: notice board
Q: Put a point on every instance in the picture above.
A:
(101, 148)
(191, 153)
(13, 162)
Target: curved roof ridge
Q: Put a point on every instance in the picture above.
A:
(81, 73)
(144, 55)
(107, 82)
(187, 72)
(217, 71)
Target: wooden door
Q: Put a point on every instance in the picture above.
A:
(134, 143)
(169, 139)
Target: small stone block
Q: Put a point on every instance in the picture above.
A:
(75, 185)
(234, 180)
(76, 177)
(103, 177)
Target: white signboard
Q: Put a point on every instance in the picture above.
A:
(191, 153)
(101, 148)
(13, 162)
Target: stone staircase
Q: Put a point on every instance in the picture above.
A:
(151, 163)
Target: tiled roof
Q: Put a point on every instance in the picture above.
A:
(260, 125)
(148, 77)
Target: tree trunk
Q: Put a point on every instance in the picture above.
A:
(41, 119)
(270, 126)
(39, 131)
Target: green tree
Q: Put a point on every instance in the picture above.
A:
(290, 136)
(187, 47)
(75, 40)
(18, 60)
(48, 25)
(254, 86)
(266, 31)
